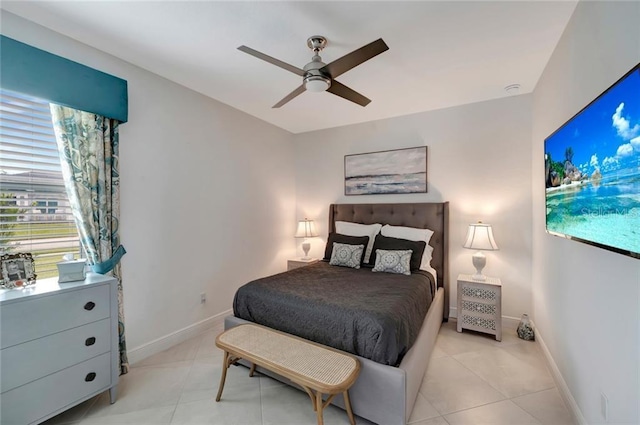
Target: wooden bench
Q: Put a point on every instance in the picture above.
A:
(317, 369)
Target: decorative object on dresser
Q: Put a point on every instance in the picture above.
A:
(294, 263)
(525, 330)
(18, 270)
(306, 229)
(480, 237)
(386, 172)
(59, 347)
(70, 270)
(480, 305)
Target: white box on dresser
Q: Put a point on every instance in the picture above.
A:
(480, 305)
(59, 347)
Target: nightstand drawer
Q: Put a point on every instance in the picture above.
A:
(299, 262)
(476, 293)
(481, 308)
(478, 323)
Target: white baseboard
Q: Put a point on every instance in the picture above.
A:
(508, 322)
(150, 348)
(562, 386)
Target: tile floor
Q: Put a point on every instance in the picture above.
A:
(471, 379)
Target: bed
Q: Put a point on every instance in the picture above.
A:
(389, 380)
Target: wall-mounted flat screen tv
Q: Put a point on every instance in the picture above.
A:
(592, 171)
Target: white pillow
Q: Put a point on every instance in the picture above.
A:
(357, 229)
(413, 234)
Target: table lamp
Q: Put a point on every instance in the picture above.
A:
(480, 238)
(306, 229)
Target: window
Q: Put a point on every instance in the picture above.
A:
(35, 215)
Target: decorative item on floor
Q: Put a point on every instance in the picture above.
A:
(18, 270)
(525, 330)
(306, 229)
(386, 172)
(71, 270)
(480, 237)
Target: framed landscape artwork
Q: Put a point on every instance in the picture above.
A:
(386, 172)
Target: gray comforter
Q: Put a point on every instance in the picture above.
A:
(373, 315)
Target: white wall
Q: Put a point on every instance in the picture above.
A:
(207, 194)
(587, 300)
(478, 160)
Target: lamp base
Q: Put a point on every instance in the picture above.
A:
(306, 246)
(479, 261)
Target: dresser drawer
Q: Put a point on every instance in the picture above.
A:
(27, 362)
(28, 403)
(28, 320)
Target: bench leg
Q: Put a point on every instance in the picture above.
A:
(319, 407)
(253, 369)
(347, 404)
(225, 366)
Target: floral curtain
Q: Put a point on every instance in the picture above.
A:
(88, 148)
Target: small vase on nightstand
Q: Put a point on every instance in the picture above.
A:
(525, 330)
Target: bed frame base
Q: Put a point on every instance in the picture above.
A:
(385, 394)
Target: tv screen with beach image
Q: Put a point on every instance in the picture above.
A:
(592, 171)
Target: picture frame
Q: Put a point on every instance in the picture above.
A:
(18, 270)
(394, 171)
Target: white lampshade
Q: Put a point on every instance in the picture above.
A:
(480, 237)
(306, 229)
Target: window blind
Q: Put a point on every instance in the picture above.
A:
(35, 215)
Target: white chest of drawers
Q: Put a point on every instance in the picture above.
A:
(480, 305)
(59, 347)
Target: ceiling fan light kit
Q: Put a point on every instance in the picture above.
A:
(318, 76)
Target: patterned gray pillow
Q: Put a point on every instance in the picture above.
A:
(346, 255)
(393, 261)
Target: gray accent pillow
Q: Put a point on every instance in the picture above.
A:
(345, 255)
(393, 261)
(346, 239)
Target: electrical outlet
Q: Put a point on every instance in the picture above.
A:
(604, 407)
(203, 298)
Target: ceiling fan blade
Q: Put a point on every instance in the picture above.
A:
(345, 92)
(290, 96)
(271, 60)
(355, 58)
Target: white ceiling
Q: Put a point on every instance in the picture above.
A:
(441, 54)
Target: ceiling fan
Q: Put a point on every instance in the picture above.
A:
(318, 76)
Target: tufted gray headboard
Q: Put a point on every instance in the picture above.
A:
(433, 216)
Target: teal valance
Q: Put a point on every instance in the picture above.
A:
(29, 70)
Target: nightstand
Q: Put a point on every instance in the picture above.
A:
(294, 263)
(480, 305)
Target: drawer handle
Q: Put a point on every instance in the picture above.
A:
(89, 306)
(90, 377)
(90, 341)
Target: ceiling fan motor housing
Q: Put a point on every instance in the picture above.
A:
(314, 78)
